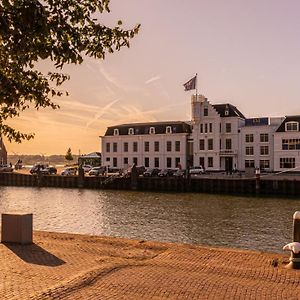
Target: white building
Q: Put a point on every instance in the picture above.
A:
(218, 137)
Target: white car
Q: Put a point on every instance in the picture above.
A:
(87, 168)
(69, 171)
(197, 170)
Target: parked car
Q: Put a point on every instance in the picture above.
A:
(69, 171)
(179, 173)
(6, 168)
(87, 168)
(197, 170)
(150, 172)
(166, 173)
(37, 168)
(96, 171)
(49, 171)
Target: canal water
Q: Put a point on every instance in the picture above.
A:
(218, 220)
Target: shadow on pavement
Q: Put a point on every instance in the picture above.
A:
(35, 254)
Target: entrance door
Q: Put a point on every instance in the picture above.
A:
(228, 164)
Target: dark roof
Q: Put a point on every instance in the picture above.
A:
(232, 110)
(143, 128)
(257, 121)
(281, 128)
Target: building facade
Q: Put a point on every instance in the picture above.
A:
(218, 137)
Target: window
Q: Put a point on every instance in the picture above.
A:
(156, 162)
(125, 147)
(169, 162)
(249, 163)
(152, 130)
(177, 146)
(205, 127)
(116, 131)
(249, 138)
(168, 129)
(135, 160)
(115, 161)
(177, 162)
(125, 160)
(228, 127)
(130, 131)
(156, 146)
(205, 111)
(264, 164)
(135, 147)
(228, 144)
(115, 147)
(147, 162)
(227, 112)
(201, 128)
(146, 146)
(292, 126)
(210, 127)
(287, 162)
(107, 158)
(264, 137)
(201, 161)
(210, 162)
(249, 150)
(107, 147)
(210, 144)
(201, 144)
(264, 150)
(291, 144)
(220, 127)
(169, 146)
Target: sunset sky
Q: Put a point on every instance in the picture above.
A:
(245, 52)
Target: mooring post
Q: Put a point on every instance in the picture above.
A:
(295, 246)
(257, 181)
(134, 177)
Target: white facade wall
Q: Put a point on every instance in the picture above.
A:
(140, 155)
(280, 153)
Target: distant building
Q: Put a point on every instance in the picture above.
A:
(3, 153)
(219, 138)
(93, 159)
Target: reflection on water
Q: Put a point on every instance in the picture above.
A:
(219, 220)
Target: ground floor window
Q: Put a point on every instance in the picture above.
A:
(125, 160)
(249, 163)
(287, 162)
(107, 158)
(115, 162)
(169, 162)
(201, 161)
(210, 162)
(177, 162)
(147, 162)
(264, 164)
(156, 162)
(135, 160)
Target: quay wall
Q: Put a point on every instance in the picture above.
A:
(250, 186)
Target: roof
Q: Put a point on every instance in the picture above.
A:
(143, 128)
(257, 121)
(92, 155)
(287, 119)
(232, 110)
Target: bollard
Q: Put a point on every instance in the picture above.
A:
(295, 246)
(257, 180)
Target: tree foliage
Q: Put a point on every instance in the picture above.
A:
(69, 155)
(63, 31)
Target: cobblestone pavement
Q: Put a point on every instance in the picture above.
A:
(65, 266)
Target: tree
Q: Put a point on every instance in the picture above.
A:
(69, 155)
(63, 31)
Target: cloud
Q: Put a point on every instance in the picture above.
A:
(155, 78)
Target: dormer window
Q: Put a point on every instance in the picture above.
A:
(205, 112)
(152, 130)
(226, 112)
(292, 126)
(116, 131)
(168, 129)
(130, 131)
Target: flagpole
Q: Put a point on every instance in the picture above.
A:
(196, 87)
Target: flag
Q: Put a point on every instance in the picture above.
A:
(191, 84)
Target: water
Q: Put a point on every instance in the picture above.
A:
(218, 220)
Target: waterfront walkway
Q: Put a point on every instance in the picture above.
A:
(65, 266)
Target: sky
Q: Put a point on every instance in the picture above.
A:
(245, 53)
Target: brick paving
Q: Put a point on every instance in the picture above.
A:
(66, 266)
